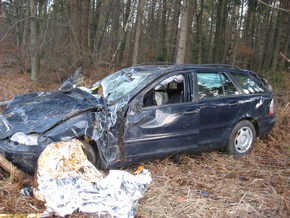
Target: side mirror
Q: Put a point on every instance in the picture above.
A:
(136, 106)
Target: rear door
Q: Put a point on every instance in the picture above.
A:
(162, 126)
(220, 104)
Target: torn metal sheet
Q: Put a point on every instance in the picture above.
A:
(67, 181)
(259, 103)
(32, 121)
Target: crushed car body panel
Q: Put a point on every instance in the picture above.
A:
(39, 112)
(34, 120)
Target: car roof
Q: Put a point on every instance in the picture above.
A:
(156, 67)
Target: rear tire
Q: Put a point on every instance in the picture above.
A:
(241, 139)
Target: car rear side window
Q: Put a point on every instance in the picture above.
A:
(249, 85)
(215, 85)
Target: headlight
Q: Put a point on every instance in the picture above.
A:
(22, 138)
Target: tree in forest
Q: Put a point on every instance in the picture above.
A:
(182, 39)
(172, 29)
(79, 18)
(199, 29)
(220, 31)
(285, 41)
(124, 33)
(34, 41)
(282, 35)
(138, 31)
(63, 34)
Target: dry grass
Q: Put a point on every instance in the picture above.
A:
(218, 185)
(206, 185)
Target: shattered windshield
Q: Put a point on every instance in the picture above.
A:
(121, 83)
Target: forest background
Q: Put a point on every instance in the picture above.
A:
(48, 37)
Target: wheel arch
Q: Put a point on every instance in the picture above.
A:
(93, 151)
(254, 122)
(250, 119)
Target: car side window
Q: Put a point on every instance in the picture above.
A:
(228, 86)
(249, 85)
(214, 85)
(168, 91)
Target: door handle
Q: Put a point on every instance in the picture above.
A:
(190, 111)
(233, 104)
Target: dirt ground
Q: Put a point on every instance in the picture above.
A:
(211, 184)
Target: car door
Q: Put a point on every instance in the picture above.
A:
(159, 129)
(220, 103)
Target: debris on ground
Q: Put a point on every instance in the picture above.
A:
(68, 182)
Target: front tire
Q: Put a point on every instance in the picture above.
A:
(90, 152)
(241, 139)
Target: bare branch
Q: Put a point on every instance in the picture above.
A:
(287, 59)
(14, 172)
(4, 103)
(11, 27)
(272, 6)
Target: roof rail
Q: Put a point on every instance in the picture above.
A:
(195, 65)
(220, 66)
(154, 63)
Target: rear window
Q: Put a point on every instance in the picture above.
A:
(249, 85)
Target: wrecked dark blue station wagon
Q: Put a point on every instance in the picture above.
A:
(142, 113)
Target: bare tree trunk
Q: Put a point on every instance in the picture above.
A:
(24, 45)
(158, 24)
(220, 33)
(34, 45)
(231, 37)
(247, 35)
(173, 34)
(106, 20)
(19, 32)
(239, 31)
(263, 37)
(138, 31)
(285, 35)
(123, 34)
(115, 24)
(123, 43)
(266, 58)
(94, 23)
(79, 12)
(277, 39)
(84, 36)
(182, 39)
(199, 32)
(211, 34)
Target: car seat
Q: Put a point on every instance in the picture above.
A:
(177, 95)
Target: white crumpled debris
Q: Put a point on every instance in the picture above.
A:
(68, 182)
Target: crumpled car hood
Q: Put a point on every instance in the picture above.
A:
(39, 112)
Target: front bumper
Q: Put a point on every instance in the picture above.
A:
(23, 156)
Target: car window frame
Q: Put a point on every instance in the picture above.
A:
(237, 84)
(187, 87)
(220, 72)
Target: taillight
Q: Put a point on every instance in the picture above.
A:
(271, 108)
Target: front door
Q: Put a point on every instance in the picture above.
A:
(167, 125)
